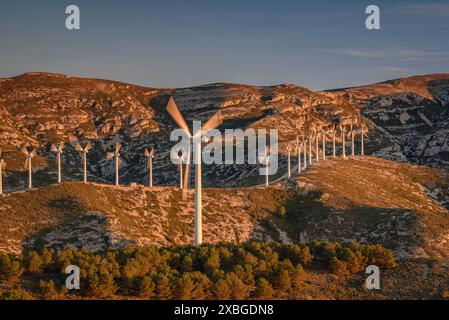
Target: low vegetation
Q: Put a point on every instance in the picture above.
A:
(224, 271)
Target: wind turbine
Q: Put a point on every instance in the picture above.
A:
(317, 143)
(299, 147)
(323, 132)
(84, 150)
(265, 160)
(304, 142)
(343, 137)
(58, 149)
(352, 134)
(30, 154)
(180, 157)
(363, 133)
(118, 161)
(310, 147)
(289, 156)
(333, 131)
(196, 139)
(2, 167)
(150, 156)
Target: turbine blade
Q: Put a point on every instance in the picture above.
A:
(110, 155)
(146, 154)
(88, 147)
(33, 153)
(61, 146)
(79, 148)
(174, 112)
(214, 122)
(120, 161)
(24, 150)
(53, 148)
(152, 152)
(118, 146)
(26, 163)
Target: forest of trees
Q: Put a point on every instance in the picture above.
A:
(225, 271)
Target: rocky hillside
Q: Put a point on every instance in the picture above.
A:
(413, 112)
(406, 117)
(368, 200)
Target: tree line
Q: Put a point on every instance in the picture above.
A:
(252, 270)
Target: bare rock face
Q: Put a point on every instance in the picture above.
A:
(414, 112)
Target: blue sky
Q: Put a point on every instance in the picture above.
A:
(316, 44)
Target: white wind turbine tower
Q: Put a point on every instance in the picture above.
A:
(118, 161)
(363, 134)
(317, 143)
(299, 148)
(334, 133)
(289, 157)
(84, 150)
(196, 139)
(264, 159)
(150, 156)
(323, 132)
(310, 147)
(304, 143)
(352, 134)
(343, 137)
(30, 154)
(58, 149)
(2, 167)
(180, 157)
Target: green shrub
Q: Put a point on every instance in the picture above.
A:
(10, 268)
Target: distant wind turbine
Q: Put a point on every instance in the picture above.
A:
(299, 148)
(84, 150)
(58, 149)
(116, 156)
(363, 134)
(310, 147)
(196, 139)
(30, 154)
(304, 143)
(323, 132)
(180, 157)
(289, 157)
(264, 159)
(352, 135)
(343, 137)
(334, 147)
(2, 167)
(150, 156)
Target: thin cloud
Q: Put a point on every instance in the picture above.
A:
(430, 8)
(398, 54)
(394, 69)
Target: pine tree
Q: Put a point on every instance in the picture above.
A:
(283, 281)
(222, 291)
(184, 288)
(264, 290)
(163, 290)
(34, 262)
(146, 288)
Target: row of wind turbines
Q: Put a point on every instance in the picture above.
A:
(84, 149)
(306, 143)
(196, 139)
